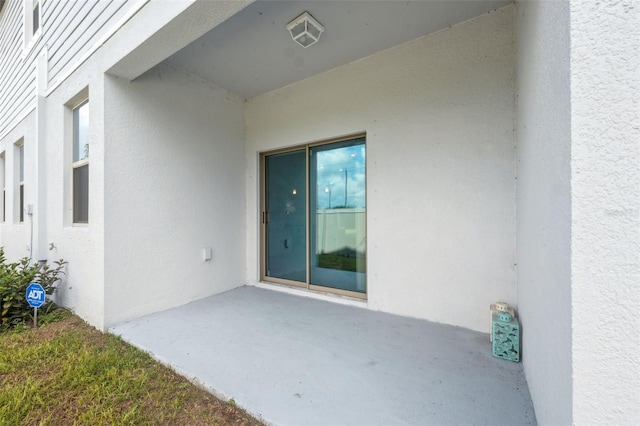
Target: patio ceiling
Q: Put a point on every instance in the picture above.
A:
(252, 53)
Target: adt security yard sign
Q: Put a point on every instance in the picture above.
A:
(35, 299)
(35, 295)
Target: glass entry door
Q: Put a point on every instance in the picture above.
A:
(314, 217)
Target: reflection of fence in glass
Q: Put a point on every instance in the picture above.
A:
(341, 238)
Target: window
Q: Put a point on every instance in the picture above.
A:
(3, 210)
(36, 17)
(20, 180)
(32, 23)
(80, 163)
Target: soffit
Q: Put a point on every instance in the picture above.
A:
(252, 53)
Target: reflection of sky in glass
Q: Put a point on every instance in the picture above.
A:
(81, 129)
(341, 178)
(21, 162)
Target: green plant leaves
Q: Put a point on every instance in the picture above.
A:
(15, 278)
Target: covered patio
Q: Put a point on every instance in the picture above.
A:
(292, 360)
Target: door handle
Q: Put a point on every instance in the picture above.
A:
(286, 244)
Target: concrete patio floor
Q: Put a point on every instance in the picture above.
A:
(293, 360)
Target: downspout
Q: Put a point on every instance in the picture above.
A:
(38, 212)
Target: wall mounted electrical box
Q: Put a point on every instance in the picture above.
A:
(207, 254)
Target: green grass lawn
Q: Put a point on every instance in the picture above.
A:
(343, 263)
(67, 372)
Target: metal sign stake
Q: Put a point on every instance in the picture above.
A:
(35, 317)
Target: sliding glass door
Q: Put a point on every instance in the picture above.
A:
(314, 217)
(338, 206)
(286, 217)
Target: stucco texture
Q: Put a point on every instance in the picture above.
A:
(605, 176)
(438, 113)
(544, 205)
(174, 186)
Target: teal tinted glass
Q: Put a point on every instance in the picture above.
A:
(286, 211)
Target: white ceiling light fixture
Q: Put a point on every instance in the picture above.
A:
(305, 30)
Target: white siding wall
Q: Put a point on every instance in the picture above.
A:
(73, 27)
(439, 116)
(175, 182)
(17, 76)
(69, 29)
(544, 205)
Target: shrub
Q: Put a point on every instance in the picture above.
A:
(14, 280)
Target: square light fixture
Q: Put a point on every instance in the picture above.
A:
(305, 30)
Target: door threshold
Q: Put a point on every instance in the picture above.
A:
(314, 294)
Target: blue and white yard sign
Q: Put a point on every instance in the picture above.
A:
(35, 295)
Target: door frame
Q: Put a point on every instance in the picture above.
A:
(263, 220)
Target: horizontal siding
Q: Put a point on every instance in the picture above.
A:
(8, 21)
(17, 76)
(69, 30)
(65, 23)
(76, 28)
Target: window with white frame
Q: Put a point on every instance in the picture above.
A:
(20, 181)
(80, 164)
(3, 211)
(35, 17)
(32, 22)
